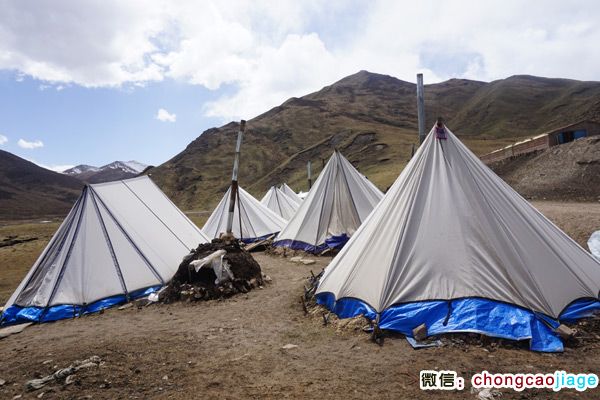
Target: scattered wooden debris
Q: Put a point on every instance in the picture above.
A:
(63, 374)
(261, 244)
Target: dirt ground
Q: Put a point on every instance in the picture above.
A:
(578, 220)
(232, 348)
(16, 260)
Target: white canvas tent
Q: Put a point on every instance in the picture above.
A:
(453, 246)
(290, 193)
(119, 240)
(336, 205)
(280, 203)
(251, 220)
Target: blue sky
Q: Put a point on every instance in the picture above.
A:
(83, 82)
(98, 125)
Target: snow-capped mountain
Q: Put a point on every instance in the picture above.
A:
(110, 172)
(138, 166)
(123, 166)
(80, 169)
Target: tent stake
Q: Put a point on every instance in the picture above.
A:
(377, 335)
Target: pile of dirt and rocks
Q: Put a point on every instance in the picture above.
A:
(570, 171)
(238, 273)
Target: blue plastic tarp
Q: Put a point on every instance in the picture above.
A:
(332, 242)
(16, 314)
(474, 315)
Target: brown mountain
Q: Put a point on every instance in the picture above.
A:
(30, 191)
(371, 119)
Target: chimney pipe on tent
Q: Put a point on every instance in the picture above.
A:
(309, 175)
(234, 178)
(421, 107)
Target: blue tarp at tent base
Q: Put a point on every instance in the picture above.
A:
(332, 242)
(16, 314)
(257, 239)
(468, 315)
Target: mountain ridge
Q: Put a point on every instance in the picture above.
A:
(30, 191)
(115, 170)
(371, 118)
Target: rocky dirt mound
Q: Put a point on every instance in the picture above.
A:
(567, 172)
(187, 284)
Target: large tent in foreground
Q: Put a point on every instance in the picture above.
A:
(453, 247)
(120, 241)
(280, 203)
(336, 205)
(252, 221)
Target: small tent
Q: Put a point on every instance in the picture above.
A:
(121, 240)
(280, 203)
(336, 205)
(290, 193)
(252, 221)
(452, 246)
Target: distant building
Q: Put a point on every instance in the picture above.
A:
(552, 138)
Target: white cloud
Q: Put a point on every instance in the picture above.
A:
(24, 144)
(96, 43)
(3, 140)
(265, 52)
(164, 116)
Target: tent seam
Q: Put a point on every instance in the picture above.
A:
(135, 246)
(110, 247)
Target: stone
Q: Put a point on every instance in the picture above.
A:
(565, 332)
(420, 332)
